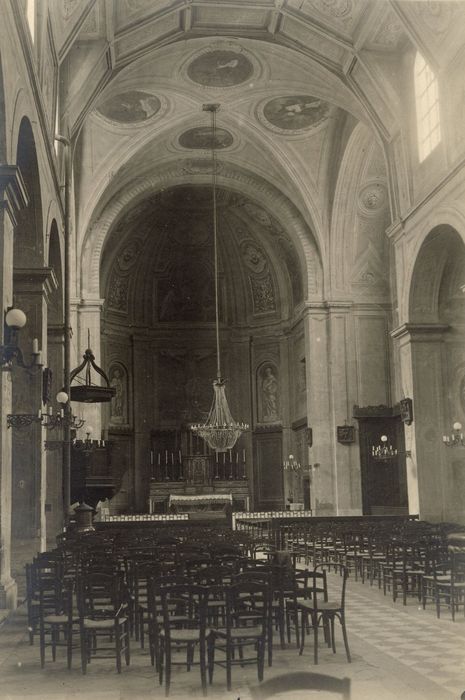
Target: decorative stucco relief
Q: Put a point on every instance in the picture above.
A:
(263, 294)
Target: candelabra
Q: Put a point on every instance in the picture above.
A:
(88, 445)
(61, 418)
(384, 452)
(47, 420)
(456, 439)
(291, 464)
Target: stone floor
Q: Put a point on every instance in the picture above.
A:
(399, 653)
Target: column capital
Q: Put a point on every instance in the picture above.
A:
(86, 305)
(33, 280)
(420, 332)
(13, 192)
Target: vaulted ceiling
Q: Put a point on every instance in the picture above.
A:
(311, 93)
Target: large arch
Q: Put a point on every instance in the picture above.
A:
(193, 172)
(432, 357)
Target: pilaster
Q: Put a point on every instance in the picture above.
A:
(421, 367)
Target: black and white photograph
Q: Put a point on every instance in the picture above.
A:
(232, 386)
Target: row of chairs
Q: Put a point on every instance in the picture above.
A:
(408, 560)
(105, 601)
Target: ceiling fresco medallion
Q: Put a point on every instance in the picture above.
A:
(202, 137)
(220, 68)
(130, 107)
(293, 114)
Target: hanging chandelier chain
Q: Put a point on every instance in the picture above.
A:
(220, 430)
(214, 108)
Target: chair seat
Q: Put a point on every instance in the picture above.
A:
(182, 635)
(239, 632)
(322, 606)
(59, 619)
(102, 624)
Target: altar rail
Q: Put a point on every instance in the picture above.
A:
(143, 518)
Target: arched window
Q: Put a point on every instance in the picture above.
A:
(427, 102)
(31, 17)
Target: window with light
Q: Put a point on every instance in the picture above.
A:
(31, 17)
(427, 104)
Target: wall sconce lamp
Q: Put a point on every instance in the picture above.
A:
(62, 417)
(47, 420)
(456, 439)
(291, 464)
(384, 452)
(15, 319)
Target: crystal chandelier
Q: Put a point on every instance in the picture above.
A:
(220, 431)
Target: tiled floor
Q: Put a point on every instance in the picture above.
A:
(399, 653)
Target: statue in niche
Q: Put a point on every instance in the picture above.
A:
(269, 396)
(118, 401)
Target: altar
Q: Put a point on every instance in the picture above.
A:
(185, 503)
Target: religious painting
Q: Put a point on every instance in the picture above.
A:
(295, 112)
(202, 137)
(268, 393)
(130, 107)
(220, 68)
(119, 403)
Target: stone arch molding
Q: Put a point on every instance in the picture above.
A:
(196, 172)
(452, 215)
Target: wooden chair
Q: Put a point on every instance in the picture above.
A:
(324, 612)
(448, 584)
(183, 627)
(103, 613)
(56, 616)
(247, 613)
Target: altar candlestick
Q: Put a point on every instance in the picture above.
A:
(172, 459)
(158, 459)
(35, 346)
(151, 457)
(180, 457)
(243, 456)
(166, 456)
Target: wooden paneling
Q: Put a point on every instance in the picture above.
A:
(268, 471)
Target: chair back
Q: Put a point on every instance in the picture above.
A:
(302, 680)
(100, 596)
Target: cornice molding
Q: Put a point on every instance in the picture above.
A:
(13, 192)
(417, 332)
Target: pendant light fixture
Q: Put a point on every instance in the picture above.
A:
(220, 431)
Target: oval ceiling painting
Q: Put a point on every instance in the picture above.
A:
(295, 112)
(202, 137)
(220, 69)
(129, 107)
